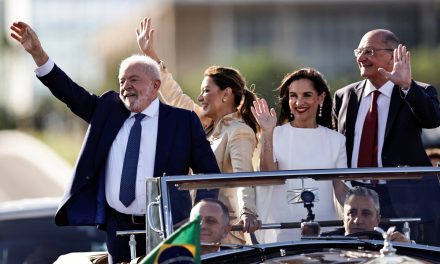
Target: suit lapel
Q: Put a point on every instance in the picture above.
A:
(355, 96)
(164, 140)
(395, 104)
(114, 122)
(353, 106)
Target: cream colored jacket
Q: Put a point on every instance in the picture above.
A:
(233, 143)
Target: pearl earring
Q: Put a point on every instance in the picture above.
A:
(320, 110)
(224, 100)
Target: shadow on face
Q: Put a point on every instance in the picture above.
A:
(213, 226)
(360, 214)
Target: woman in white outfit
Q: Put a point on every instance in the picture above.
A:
(225, 111)
(304, 140)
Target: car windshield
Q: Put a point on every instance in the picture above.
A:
(401, 177)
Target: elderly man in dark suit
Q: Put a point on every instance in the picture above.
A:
(382, 118)
(131, 136)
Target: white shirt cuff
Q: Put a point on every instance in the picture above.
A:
(45, 68)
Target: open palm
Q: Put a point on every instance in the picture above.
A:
(266, 118)
(401, 73)
(145, 38)
(24, 34)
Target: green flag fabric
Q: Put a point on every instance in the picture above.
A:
(183, 246)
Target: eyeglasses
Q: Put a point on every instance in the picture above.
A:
(367, 51)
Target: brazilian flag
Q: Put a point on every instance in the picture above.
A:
(182, 247)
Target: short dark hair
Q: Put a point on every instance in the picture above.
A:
(225, 210)
(362, 191)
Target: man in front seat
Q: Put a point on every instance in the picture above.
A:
(361, 214)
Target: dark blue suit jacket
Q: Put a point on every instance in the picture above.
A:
(181, 145)
(402, 142)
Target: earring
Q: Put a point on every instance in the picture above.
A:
(320, 110)
(224, 100)
(291, 115)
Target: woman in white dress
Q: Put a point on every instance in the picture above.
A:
(225, 111)
(304, 140)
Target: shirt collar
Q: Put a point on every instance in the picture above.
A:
(386, 89)
(151, 110)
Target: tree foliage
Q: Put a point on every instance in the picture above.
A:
(425, 64)
(262, 72)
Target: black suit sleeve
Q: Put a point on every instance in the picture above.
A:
(423, 102)
(79, 100)
(335, 111)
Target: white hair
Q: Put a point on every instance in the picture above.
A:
(150, 65)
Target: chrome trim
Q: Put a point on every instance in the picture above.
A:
(167, 215)
(150, 216)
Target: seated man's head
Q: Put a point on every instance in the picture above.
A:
(215, 220)
(361, 210)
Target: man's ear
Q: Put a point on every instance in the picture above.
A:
(378, 218)
(157, 84)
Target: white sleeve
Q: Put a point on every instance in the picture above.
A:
(45, 68)
(342, 154)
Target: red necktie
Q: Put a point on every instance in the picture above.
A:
(368, 147)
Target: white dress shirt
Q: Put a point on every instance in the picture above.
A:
(145, 169)
(383, 106)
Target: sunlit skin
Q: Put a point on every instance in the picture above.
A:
(360, 215)
(369, 65)
(137, 88)
(215, 102)
(303, 102)
(213, 226)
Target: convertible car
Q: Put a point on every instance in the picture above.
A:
(368, 247)
(364, 247)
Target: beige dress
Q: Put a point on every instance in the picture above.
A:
(233, 143)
